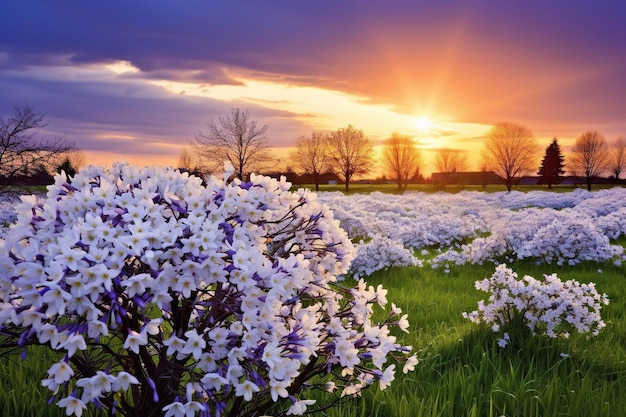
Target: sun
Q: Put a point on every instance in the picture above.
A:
(423, 123)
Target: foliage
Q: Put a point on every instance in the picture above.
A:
(66, 166)
(551, 307)
(463, 372)
(164, 296)
(475, 227)
(461, 369)
(380, 253)
(552, 165)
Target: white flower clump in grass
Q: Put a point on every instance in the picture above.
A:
(474, 227)
(380, 254)
(553, 308)
(566, 236)
(613, 224)
(167, 296)
(8, 215)
(416, 220)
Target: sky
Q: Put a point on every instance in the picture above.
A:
(138, 80)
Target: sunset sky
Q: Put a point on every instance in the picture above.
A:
(136, 80)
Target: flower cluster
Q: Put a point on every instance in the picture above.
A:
(552, 307)
(380, 254)
(474, 227)
(566, 236)
(165, 295)
(8, 215)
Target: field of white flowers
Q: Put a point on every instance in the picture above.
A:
(430, 231)
(470, 227)
(473, 227)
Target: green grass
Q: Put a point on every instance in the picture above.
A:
(24, 189)
(21, 392)
(462, 371)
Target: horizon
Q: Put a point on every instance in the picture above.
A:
(135, 83)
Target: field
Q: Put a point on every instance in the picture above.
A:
(459, 239)
(463, 372)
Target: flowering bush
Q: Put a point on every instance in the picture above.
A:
(380, 254)
(168, 297)
(552, 308)
(566, 236)
(475, 227)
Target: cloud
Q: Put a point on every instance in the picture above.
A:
(555, 66)
(101, 111)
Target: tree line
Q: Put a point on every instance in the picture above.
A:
(510, 150)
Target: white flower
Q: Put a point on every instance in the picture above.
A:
(299, 407)
(410, 363)
(213, 381)
(135, 340)
(61, 372)
(347, 354)
(246, 390)
(234, 283)
(73, 343)
(552, 307)
(49, 333)
(387, 377)
(194, 344)
(123, 381)
(403, 323)
(175, 409)
(72, 405)
(279, 389)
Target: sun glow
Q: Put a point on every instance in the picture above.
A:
(423, 123)
(319, 108)
(323, 109)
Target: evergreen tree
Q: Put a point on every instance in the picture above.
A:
(66, 166)
(552, 165)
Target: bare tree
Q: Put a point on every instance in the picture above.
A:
(235, 138)
(186, 160)
(590, 156)
(21, 151)
(311, 155)
(350, 153)
(617, 156)
(401, 158)
(450, 161)
(510, 151)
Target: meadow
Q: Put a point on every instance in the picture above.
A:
(458, 239)
(462, 371)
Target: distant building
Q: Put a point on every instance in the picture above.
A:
(466, 178)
